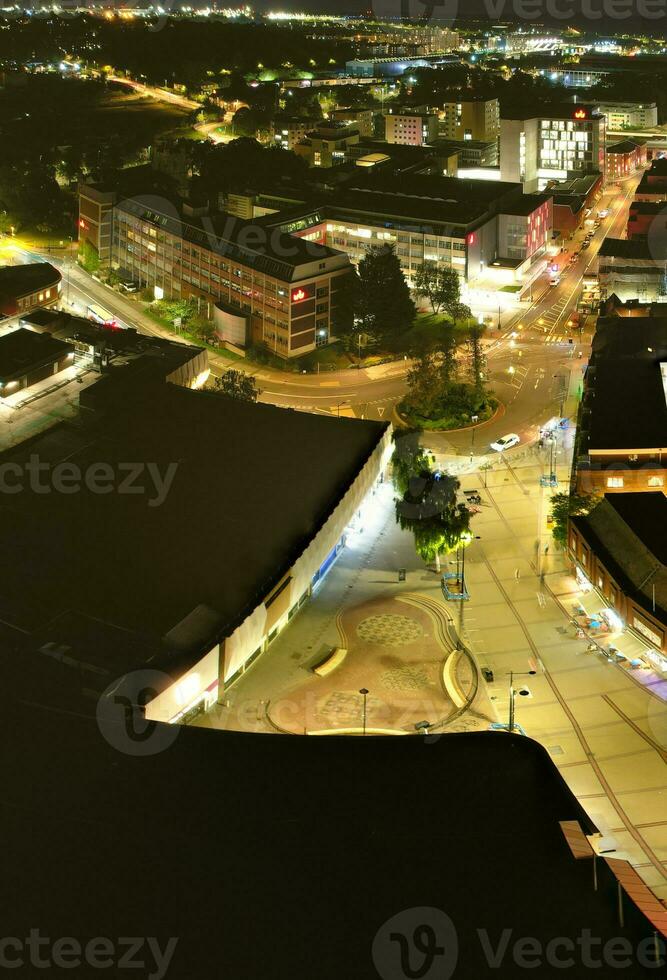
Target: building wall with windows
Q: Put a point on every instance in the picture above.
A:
(289, 309)
(411, 129)
(96, 218)
(624, 115)
(476, 119)
(540, 149)
(613, 556)
(413, 247)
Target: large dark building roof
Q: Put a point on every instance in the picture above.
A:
(628, 532)
(22, 280)
(627, 248)
(253, 484)
(283, 858)
(23, 351)
(625, 405)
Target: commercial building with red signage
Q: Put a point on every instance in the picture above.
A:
(256, 285)
(479, 228)
(554, 144)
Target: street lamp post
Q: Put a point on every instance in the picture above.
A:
(364, 693)
(474, 419)
(525, 673)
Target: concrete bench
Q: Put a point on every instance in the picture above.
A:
(333, 660)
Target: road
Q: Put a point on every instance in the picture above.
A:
(526, 361)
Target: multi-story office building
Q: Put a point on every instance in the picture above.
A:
(473, 119)
(328, 145)
(256, 285)
(363, 120)
(288, 131)
(566, 141)
(484, 230)
(625, 115)
(411, 128)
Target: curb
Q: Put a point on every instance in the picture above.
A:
(499, 412)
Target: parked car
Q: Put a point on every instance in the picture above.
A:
(585, 244)
(506, 442)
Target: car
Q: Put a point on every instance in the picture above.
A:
(574, 257)
(604, 213)
(585, 244)
(506, 442)
(555, 281)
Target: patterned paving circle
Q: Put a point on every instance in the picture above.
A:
(405, 678)
(394, 631)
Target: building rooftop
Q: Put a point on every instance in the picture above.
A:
(628, 531)
(276, 872)
(22, 280)
(627, 248)
(623, 146)
(252, 484)
(275, 255)
(625, 392)
(23, 351)
(564, 110)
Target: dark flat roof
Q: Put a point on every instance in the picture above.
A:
(285, 857)
(626, 248)
(253, 485)
(23, 351)
(628, 409)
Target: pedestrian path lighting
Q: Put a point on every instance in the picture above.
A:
(522, 691)
(364, 693)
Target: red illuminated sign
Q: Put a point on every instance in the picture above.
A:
(298, 295)
(581, 114)
(471, 238)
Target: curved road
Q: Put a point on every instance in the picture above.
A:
(531, 363)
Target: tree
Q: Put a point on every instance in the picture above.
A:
(477, 356)
(425, 385)
(384, 305)
(89, 257)
(441, 286)
(238, 385)
(429, 509)
(564, 506)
